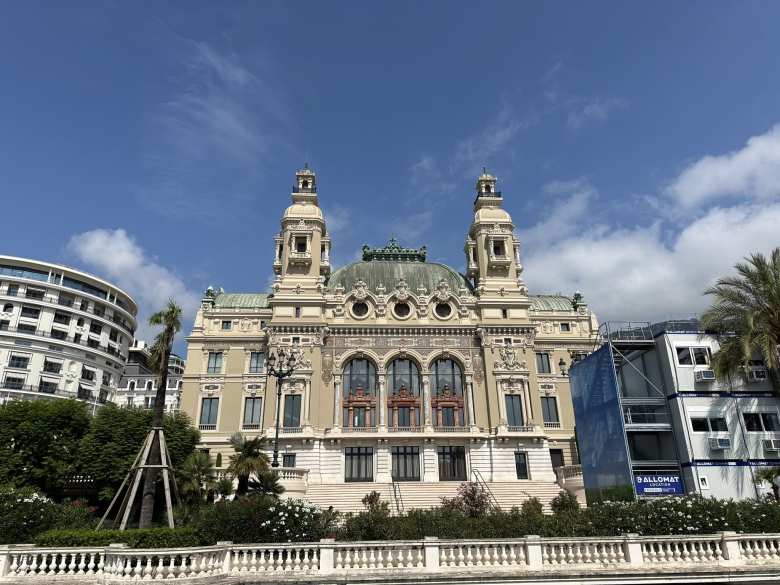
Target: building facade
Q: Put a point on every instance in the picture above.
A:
(653, 419)
(410, 377)
(138, 385)
(63, 333)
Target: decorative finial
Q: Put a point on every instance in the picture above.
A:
(484, 170)
(306, 166)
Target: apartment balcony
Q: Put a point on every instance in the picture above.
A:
(207, 427)
(409, 429)
(552, 425)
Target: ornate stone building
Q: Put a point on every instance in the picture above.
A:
(411, 377)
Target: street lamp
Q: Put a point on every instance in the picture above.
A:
(286, 367)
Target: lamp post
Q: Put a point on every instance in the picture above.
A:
(286, 367)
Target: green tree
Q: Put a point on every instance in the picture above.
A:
(170, 319)
(769, 475)
(746, 314)
(195, 477)
(224, 487)
(39, 442)
(248, 460)
(116, 436)
(267, 483)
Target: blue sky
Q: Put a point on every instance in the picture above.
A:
(155, 143)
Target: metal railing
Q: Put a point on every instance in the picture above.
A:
(477, 474)
(67, 338)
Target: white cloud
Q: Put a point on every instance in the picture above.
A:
(752, 172)
(584, 112)
(638, 273)
(338, 220)
(566, 214)
(425, 176)
(116, 256)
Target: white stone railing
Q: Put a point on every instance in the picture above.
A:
(401, 560)
(565, 472)
(292, 473)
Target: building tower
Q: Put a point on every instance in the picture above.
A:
(302, 260)
(493, 254)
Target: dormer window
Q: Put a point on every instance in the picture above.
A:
(499, 250)
(300, 244)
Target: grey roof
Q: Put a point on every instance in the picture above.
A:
(388, 273)
(550, 303)
(242, 300)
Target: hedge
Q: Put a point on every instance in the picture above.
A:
(134, 538)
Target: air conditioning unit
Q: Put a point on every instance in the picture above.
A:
(771, 444)
(704, 376)
(720, 444)
(758, 375)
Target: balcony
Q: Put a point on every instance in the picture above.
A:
(291, 430)
(521, 428)
(250, 427)
(207, 427)
(451, 429)
(359, 429)
(300, 258)
(415, 429)
(552, 425)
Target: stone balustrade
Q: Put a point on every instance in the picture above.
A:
(634, 556)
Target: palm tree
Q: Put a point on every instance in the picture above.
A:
(267, 483)
(170, 319)
(746, 314)
(248, 459)
(769, 474)
(196, 476)
(224, 487)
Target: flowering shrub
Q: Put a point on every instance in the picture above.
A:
(24, 513)
(293, 521)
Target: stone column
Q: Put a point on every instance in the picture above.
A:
(502, 420)
(337, 403)
(472, 422)
(427, 403)
(382, 402)
(306, 402)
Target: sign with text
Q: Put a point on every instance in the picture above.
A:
(658, 484)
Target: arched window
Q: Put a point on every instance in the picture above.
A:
(403, 374)
(447, 405)
(446, 375)
(359, 377)
(8, 307)
(403, 400)
(179, 384)
(131, 386)
(359, 394)
(149, 386)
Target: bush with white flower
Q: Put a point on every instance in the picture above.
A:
(293, 521)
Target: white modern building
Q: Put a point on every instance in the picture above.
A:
(63, 333)
(138, 385)
(652, 419)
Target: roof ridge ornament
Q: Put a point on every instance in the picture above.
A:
(395, 252)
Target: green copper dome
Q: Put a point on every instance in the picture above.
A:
(386, 266)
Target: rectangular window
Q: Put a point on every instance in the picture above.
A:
(13, 290)
(565, 327)
(93, 343)
(404, 416)
(4, 325)
(448, 416)
(52, 367)
(297, 312)
(684, 357)
(770, 421)
(521, 464)
(452, 463)
(288, 459)
(215, 362)
(718, 425)
(58, 334)
(556, 458)
(87, 374)
(77, 338)
(13, 383)
(208, 411)
(359, 464)
(543, 363)
(253, 407)
(752, 421)
(35, 293)
(47, 387)
(406, 463)
(95, 328)
(30, 312)
(359, 416)
(292, 411)
(701, 356)
(65, 300)
(113, 334)
(549, 409)
(300, 245)
(62, 318)
(18, 361)
(26, 328)
(227, 325)
(84, 306)
(699, 425)
(498, 249)
(100, 311)
(514, 410)
(106, 379)
(256, 362)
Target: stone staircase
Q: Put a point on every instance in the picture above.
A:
(346, 497)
